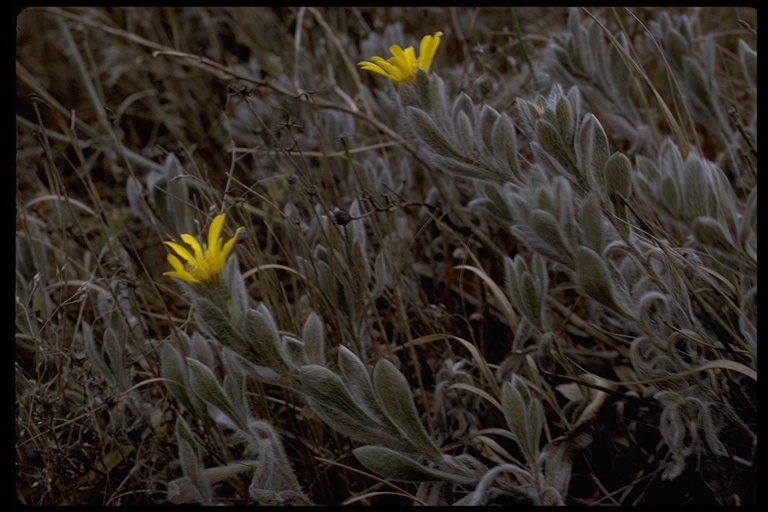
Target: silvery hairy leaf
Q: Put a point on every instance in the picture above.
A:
(313, 336)
(524, 415)
(399, 467)
(548, 229)
(394, 395)
(265, 344)
(358, 380)
(173, 368)
(203, 382)
(330, 399)
(618, 175)
(592, 219)
(594, 278)
(189, 457)
(591, 147)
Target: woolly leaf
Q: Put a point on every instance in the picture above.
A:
(396, 466)
(670, 195)
(532, 303)
(465, 169)
(326, 388)
(273, 481)
(701, 93)
(464, 105)
(618, 175)
(591, 217)
(358, 379)
(174, 370)
(548, 229)
(434, 138)
(264, 340)
(313, 335)
(565, 118)
(492, 199)
(200, 349)
(591, 148)
(594, 278)
(189, 457)
(504, 144)
(524, 416)
(525, 289)
(203, 382)
(486, 122)
(698, 193)
(217, 324)
(382, 276)
(394, 396)
(113, 354)
(332, 402)
(708, 231)
(94, 353)
(548, 136)
(465, 131)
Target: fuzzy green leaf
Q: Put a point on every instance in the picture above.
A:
(203, 382)
(485, 123)
(174, 370)
(332, 402)
(566, 120)
(217, 324)
(396, 466)
(618, 175)
(670, 195)
(548, 229)
(200, 349)
(465, 131)
(326, 387)
(591, 148)
(313, 335)
(394, 395)
(428, 131)
(591, 217)
(182, 490)
(708, 231)
(594, 279)
(504, 145)
(381, 274)
(113, 354)
(359, 384)
(189, 457)
(294, 351)
(549, 138)
(264, 340)
(524, 416)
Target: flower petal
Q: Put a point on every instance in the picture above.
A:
(428, 49)
(404, 64)
(179, 270)
(230, 243)
(214, 233)
(207, 261)
(195, 245)
(370, 66)
(390, 71)
(181, 251)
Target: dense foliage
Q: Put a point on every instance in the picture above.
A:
(517, 266)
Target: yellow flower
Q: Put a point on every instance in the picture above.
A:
(403, 64)
(207, 260)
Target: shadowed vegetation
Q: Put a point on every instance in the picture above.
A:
(523, 274)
